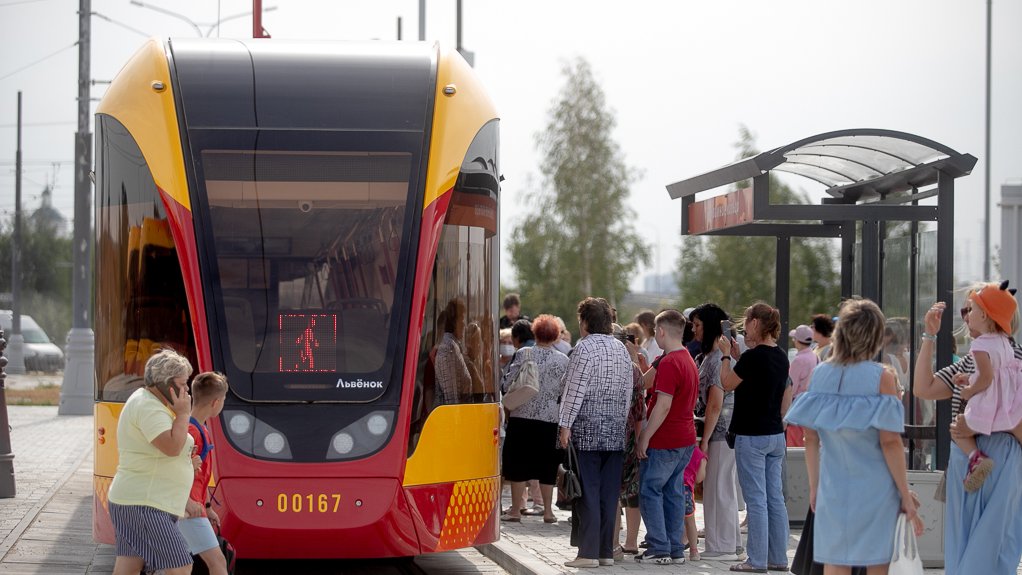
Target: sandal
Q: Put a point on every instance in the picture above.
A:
(510, 518)
(549, 520)
(630, 551)
(747, 568)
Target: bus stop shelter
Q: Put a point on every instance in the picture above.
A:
(874, 180)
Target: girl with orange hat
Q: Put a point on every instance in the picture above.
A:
(993, 391)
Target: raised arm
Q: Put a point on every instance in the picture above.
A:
(925, 384)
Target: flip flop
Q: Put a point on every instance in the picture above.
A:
(510, 518)
(747, 568)
(532, 512)
(549, 520)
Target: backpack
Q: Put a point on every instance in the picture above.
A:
(206, 445)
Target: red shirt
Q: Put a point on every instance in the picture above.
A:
(677, 376)
(200, 486)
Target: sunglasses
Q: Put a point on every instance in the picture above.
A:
(965, 311)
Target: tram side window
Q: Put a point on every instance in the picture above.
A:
(141, 306)
(457, 353)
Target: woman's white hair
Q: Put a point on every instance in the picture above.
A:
(165, 366)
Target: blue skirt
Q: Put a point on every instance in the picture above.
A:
(983, 530)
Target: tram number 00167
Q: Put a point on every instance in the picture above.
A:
(308, 503)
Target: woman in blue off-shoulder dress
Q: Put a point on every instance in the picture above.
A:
(853, 422)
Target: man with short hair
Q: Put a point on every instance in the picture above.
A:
(667, 442)
(512, 311)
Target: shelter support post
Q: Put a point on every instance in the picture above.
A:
(782, 285)
(847, 259)
(870, 260)
(945, 287)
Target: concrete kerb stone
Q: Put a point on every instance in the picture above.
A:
(516, 560)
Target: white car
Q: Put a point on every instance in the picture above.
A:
(41, 354)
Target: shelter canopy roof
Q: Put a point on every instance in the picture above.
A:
(857, 164)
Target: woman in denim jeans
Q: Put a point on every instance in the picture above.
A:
(761, 398)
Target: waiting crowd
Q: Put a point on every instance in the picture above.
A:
(645, 412)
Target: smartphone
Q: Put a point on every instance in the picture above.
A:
(725, 327)
(630, 337)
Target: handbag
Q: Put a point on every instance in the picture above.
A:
(526, 383)
(570, 487)
(905, 559)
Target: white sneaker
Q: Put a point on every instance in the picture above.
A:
(606, 562)
(580, 563)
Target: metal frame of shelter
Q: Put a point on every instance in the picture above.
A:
(872, 177)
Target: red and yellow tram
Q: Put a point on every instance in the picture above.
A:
(318, 222)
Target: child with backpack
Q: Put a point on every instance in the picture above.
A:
(209, 389)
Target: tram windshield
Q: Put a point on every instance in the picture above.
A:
(307, 248)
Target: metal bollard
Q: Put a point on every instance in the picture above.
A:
(7, 489)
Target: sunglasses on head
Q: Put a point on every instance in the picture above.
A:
(965, 311)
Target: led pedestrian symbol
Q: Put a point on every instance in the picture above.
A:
(308, 342)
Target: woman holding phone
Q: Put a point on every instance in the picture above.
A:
(154, 471)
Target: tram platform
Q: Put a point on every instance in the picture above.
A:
(47, 526)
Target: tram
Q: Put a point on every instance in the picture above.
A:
(317, 221)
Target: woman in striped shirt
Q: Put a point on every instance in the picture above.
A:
(982, 533)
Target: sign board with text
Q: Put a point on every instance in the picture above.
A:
(720, 212)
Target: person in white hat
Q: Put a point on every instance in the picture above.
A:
(799, 371)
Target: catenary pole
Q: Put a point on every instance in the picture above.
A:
(76, 390)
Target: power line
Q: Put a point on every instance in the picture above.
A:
(39, 61)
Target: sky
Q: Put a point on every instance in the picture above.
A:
(681, 77)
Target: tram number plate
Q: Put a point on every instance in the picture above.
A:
(308, 502)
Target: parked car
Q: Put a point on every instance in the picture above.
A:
(41, 354)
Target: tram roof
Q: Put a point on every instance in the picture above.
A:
(855, 164)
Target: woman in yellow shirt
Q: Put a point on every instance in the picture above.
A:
(154, 471)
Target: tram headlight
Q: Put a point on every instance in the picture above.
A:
(377, 424)
(361, 437)
(343, 443)
(256, 437)
(240, 423)
(274, 442)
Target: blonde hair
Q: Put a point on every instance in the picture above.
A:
(207, 386)
(859, 333)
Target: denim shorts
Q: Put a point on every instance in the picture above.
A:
(198, 532)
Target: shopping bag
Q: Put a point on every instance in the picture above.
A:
(526, 383)
(905, 559)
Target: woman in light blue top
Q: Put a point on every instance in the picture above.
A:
(853, 422)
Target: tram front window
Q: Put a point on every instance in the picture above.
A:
(307, 252)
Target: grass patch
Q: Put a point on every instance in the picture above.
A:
(48, 394)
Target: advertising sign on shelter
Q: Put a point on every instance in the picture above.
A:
(719, 212)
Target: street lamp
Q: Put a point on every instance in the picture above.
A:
(197, 27)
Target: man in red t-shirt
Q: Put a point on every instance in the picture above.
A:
(666, 443)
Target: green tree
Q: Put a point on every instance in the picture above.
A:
(577, 240)
(45, 275)
(734, 271)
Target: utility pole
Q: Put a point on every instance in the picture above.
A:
(17, 341)
(79, 371)
(986, 161)
(468, 55)
(422, 20)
